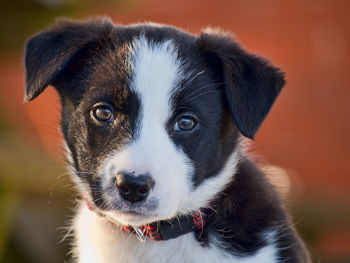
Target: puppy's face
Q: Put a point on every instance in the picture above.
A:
(151, 115)
(147, 108)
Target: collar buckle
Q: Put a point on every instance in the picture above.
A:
(139, 234)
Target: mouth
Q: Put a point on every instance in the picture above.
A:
(131, 213)
(130, 217)
(127, 214)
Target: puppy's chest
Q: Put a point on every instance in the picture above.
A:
(100, 241)
(97, 240)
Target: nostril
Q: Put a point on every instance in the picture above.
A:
(125, 189)
(143, 190)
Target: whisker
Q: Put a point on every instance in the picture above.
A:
(181, 90)
(193, 78)
(190, 96)
(196, 97)
(178, 219)
(203, 87)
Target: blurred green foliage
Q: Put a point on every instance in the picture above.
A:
(21, 18)
(35, 199)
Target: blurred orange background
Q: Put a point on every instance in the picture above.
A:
(306, 135)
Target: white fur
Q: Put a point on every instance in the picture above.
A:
(98, 240)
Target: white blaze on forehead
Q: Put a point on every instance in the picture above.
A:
(156, 71)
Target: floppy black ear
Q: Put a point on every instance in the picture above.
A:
(49, 52)
(251, 84)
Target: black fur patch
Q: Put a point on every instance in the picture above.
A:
(246, 211)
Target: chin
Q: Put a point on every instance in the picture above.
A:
(131, 218)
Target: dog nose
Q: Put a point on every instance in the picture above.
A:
(133, 188)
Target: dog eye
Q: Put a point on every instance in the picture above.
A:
(102, 113)
(185, 123)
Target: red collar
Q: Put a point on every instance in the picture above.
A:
(169, 229)
(163, 230)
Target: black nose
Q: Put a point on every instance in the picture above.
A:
(133, 188)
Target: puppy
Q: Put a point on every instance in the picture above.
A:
(153, 119)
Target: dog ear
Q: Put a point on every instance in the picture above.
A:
(49, 52)
(251, 84)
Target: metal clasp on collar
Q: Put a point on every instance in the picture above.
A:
(140, 236)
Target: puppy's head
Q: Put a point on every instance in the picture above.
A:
(152, 116)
